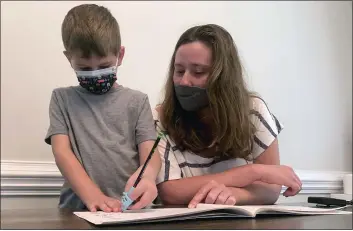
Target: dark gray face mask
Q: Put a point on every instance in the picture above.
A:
(191, 98)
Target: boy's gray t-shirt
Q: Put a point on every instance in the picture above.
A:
(104, 131)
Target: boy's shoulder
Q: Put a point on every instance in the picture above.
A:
(119, 96)
(64, 90)
(133, 97)
(133, 92)
(121, 90)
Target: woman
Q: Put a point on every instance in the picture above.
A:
(221, 140)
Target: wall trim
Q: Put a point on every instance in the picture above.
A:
(42, 178)
(30, 178)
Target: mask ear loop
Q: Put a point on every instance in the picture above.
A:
(116, 63)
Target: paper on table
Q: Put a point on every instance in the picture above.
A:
(202, 210)
(136, 215)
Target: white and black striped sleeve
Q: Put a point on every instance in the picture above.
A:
(267, 127)
(170, 169)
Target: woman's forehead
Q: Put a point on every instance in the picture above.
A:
(195, 52)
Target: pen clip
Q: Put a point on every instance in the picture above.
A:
(126, 200)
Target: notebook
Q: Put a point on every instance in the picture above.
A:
(202, 211)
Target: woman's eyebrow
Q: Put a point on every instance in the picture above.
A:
(199, 65)
(193, 65)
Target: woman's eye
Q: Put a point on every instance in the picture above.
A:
(103, 67)
(199, 73)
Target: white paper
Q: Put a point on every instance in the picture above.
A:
(202, 210)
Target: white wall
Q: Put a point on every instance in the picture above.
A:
(298, 55)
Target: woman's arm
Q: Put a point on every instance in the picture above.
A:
(176, 192)
(181, 191)
(245, 182)
(259, 192)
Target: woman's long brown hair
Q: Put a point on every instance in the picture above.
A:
(230, 101)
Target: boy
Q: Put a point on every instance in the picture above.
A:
(100, 132)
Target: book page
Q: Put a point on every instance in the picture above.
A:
(256, 209)
(202, 210)
(305, 210)
(243, 210)
(131, 216)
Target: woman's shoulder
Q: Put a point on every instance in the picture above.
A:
(262, 115)
(259, 104)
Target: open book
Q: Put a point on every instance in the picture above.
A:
(202, 211)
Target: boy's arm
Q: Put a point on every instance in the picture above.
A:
(67, 162)
(71, 168)
(154, 165)
(146, 190)
(145, 137)
(80, 182)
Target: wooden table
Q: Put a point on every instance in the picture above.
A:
(65, 219)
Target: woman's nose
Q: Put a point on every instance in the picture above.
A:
(185, 80)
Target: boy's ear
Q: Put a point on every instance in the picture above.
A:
(121, 55)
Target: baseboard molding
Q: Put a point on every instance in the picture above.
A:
(37, 178)
(30, 178)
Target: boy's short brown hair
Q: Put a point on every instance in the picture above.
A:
(91, 29)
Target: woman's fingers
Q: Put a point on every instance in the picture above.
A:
(224, 196)
(231, 201)
(292, 190)
(201, 194)
(214, 193)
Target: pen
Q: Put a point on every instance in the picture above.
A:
(126, 200)
(328, 201)
(147, 160)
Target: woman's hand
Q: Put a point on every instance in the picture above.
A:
(213, 193)
(281, 175)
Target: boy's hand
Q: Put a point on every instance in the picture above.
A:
(104, 203)
(144, 193)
